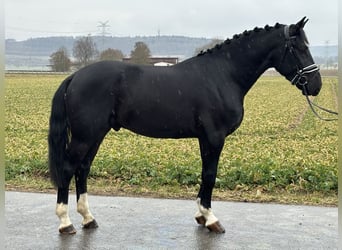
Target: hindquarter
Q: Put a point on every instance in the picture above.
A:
(89, 104)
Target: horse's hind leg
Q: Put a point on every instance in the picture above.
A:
(76, 152)
(62, 210)
(81, 189)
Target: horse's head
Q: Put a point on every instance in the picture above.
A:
(296, 62)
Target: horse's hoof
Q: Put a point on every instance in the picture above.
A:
(91, 224)
(216, 227)
(200, 220)
(67, 230)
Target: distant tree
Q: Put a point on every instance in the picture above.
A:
(85, 51)
(60, 61)
(111, 54)
(208, 46)
(141, 53)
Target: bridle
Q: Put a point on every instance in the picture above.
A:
(300, 79)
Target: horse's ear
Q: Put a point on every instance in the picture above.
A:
(301, 23)
(295, 28)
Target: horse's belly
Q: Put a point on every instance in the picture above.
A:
(159, 125)
(163, 133)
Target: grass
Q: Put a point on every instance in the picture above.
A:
(280, 153)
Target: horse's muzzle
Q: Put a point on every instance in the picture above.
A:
(315, 84)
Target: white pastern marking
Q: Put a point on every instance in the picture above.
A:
(63, 215)
(198, 213)
(83, 209)
(207, 213)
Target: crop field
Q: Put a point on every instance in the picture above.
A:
(280, 146)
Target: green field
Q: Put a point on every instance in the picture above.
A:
(280, 148)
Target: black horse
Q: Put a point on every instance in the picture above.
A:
(201, 97)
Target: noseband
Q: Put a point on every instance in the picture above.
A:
(300, 78)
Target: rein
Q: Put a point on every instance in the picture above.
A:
(312, 104)
(301, 79)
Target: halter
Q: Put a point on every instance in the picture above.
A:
(300, 78)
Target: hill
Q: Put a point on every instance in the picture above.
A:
(34, 53)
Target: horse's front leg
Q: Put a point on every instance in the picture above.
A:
(210, 153)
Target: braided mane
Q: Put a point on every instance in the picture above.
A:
(238, 36)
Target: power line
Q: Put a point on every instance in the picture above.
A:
(327, 53)
(103, 26)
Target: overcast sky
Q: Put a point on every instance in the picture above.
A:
(196, 18)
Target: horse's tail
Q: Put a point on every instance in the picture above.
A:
(58, 135)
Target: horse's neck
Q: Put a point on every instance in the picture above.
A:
(249, 59)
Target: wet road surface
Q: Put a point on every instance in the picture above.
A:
(141, 223)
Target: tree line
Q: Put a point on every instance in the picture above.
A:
(85, 52)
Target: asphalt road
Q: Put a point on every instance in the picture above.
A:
(140, 223)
